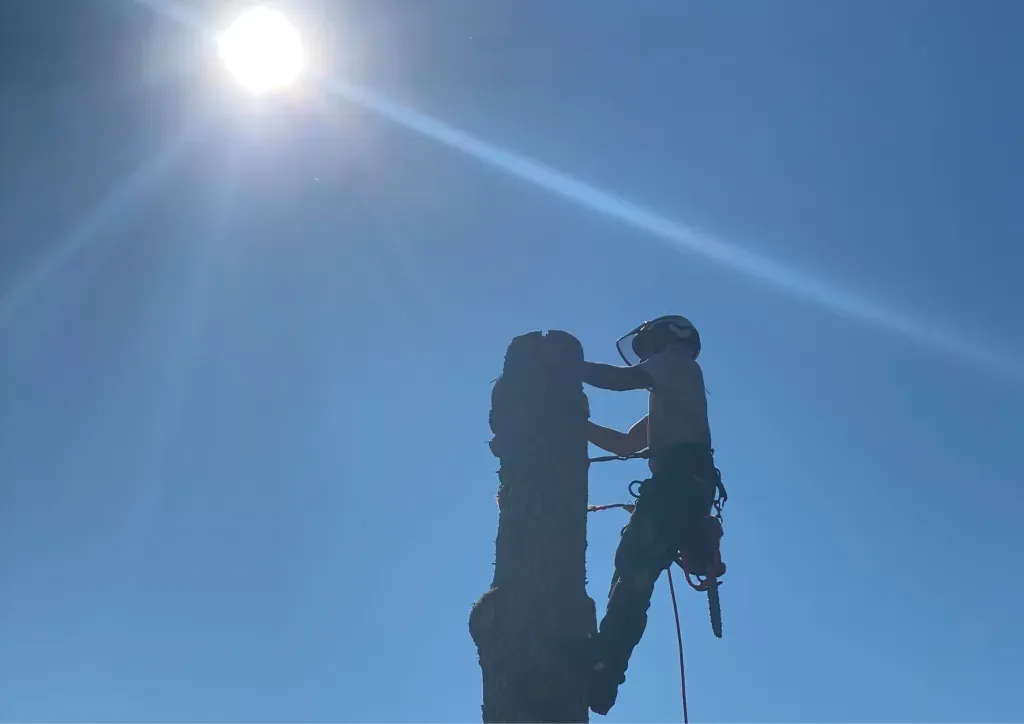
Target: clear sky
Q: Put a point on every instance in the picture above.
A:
(248, 351)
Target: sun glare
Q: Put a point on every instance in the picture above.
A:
(262, 50)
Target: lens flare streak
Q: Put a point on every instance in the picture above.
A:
(676, 235)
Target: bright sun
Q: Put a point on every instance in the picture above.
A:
(262, 50)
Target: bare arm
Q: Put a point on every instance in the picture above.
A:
(620, 379)
(619, 443)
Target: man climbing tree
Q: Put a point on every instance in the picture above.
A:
(672, 503)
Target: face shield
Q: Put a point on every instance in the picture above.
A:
(634, 346)
(626, 347)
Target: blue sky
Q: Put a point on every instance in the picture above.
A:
(248, 351)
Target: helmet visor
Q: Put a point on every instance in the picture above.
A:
(636, 346)
(625, 347)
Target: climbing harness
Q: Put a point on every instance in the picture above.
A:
(708, 582)
(701, 576)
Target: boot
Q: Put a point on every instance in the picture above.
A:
(603, 688)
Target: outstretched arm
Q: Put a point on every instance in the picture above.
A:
(620, 379)
(619, 443)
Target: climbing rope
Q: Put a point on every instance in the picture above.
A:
(629, 508)
(679, 643)
(642, 455)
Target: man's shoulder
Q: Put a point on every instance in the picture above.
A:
(673, 364)
(676, 358)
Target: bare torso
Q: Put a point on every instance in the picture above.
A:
(678, 409)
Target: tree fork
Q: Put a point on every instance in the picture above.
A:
(532, 625)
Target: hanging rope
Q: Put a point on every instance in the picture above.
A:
(629, 508)
(679, 642)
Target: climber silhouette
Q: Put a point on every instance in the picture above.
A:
(661, 356)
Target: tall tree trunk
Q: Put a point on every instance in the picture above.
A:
(532, 623)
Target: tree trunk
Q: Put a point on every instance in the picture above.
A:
(532, 624)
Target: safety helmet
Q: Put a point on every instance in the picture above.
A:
(639, 344)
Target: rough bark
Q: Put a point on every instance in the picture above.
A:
(531, 625)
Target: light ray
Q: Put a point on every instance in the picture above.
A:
(683, 238)
(676, 235)
(126, 193)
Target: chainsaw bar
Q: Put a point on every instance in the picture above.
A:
(715, 606)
